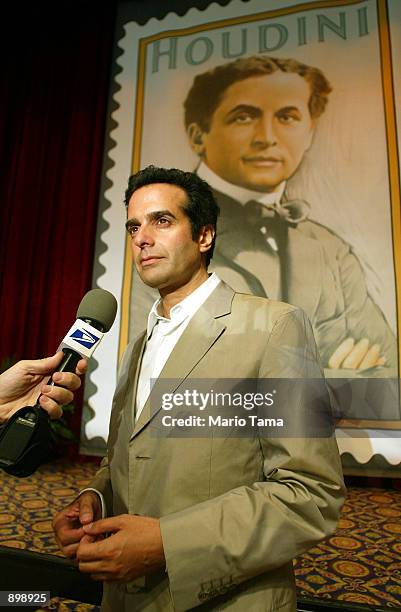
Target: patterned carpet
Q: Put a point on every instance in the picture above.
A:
(361, 563)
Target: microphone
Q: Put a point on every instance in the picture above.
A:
(95, 316)
(27, 439)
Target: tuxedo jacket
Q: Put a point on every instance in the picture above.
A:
(234, 511)
(323, 277)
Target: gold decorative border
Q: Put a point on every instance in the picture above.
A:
(386, 63)
(392, 148)
(392, 152)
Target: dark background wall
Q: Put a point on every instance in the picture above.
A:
(55, 76)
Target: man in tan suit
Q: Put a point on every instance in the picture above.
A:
(203, 521)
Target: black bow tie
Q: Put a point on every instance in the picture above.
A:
(268, 215)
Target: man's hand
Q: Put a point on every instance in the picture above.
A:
(360, 355)
(68, 524)
(22, 384)
(134, 549)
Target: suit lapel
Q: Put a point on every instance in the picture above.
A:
(204, 329)
(130, 384)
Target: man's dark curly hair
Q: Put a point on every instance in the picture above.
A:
(201, 208)
(208, 88)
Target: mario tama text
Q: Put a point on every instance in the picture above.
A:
(252, 420)
(240, 407)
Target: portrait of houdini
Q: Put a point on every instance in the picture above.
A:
(250, 122)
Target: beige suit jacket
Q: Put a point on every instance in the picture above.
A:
(234, 511)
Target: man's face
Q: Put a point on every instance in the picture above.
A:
(163, 250)
(259, 132)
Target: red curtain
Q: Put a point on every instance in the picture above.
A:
(55, 74)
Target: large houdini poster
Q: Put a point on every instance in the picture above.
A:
(289, 109)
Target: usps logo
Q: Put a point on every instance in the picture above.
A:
(85, 338)
(82, 338)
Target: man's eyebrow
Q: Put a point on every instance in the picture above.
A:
(288, 109)
(255, 111)
(245, 108)
(153, 216)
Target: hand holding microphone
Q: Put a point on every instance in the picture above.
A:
(21, 384)
(27, 439)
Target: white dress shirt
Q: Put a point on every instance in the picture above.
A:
(163, 334)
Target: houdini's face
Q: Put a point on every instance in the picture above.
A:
(260, 131)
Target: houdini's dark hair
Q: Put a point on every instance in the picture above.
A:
(208, 88)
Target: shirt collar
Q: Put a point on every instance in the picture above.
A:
(240, 194)
(184, 309)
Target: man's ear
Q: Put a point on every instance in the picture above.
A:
(205, 238)
(195, 135)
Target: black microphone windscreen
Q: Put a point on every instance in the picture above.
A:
(99, 305)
